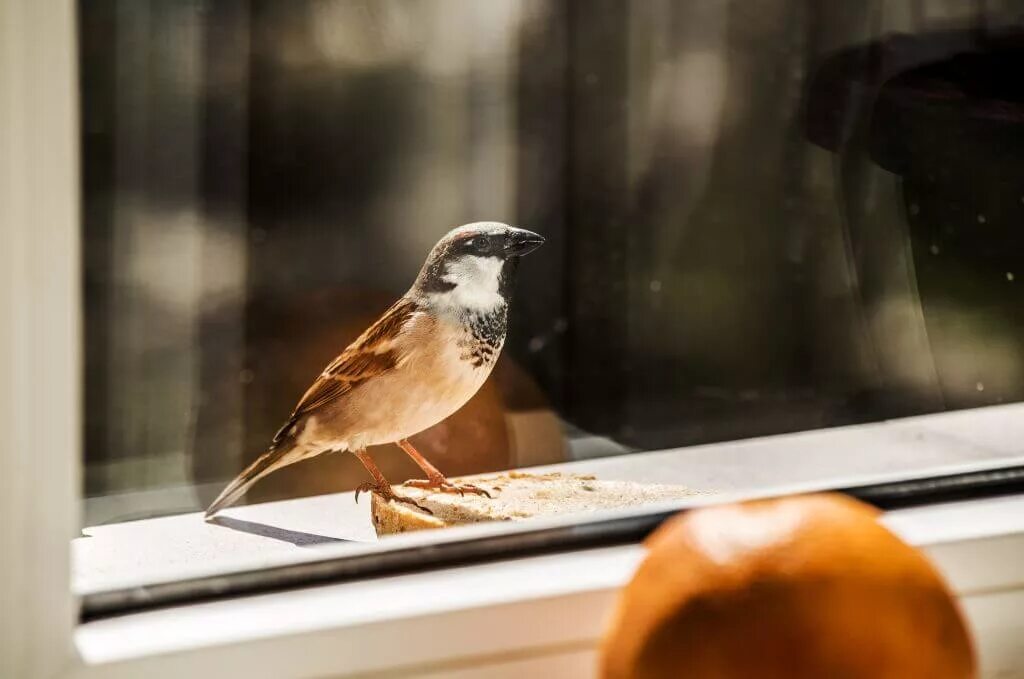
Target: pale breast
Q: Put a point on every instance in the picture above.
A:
(445, 364)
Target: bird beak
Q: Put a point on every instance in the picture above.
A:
(520, 242)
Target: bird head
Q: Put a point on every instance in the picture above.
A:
(473, 265)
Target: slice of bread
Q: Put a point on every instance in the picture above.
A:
(515, 496)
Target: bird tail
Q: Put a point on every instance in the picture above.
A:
(269, 461)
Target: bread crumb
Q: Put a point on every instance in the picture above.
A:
(517, 496)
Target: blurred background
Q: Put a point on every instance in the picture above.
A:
(762, 216)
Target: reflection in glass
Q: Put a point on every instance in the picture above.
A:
(761, 217)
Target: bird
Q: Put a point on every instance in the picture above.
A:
(421, 361)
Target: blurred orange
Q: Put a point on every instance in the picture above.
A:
(797, 588)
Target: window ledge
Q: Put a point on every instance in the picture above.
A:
(541, 614)
(174, 548)
(544, 612)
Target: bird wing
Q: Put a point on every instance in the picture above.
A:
(374, 353)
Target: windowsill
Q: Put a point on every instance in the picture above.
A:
(542, 613)
(165, 549)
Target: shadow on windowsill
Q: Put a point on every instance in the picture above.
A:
(297, 538)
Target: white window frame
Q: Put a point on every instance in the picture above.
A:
(40, 335)
(541, 616)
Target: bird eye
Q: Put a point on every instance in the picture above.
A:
(479, 244)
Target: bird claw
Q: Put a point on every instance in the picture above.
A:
(444, 486)
(388, 494)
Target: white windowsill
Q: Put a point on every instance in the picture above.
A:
(544, 614)
(171, 548)
(502, 618)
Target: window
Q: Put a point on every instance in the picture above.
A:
(759, 220)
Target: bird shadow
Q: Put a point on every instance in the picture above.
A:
(297, 538)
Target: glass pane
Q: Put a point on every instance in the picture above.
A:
(760, 217)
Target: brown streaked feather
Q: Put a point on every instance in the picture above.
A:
(387, 327)
(354, 370)
(370, 355)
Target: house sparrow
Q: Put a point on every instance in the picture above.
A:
(419, 363)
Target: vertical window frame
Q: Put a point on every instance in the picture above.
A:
(40, 335)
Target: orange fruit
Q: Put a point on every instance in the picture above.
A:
(801, 587)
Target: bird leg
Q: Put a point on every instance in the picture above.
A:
(435, 479)
(380, 484)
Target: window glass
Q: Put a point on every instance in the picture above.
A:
(760, 217)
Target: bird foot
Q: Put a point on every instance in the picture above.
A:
(442, 485)
(390, 495)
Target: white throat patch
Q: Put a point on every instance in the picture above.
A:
(476, 281)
